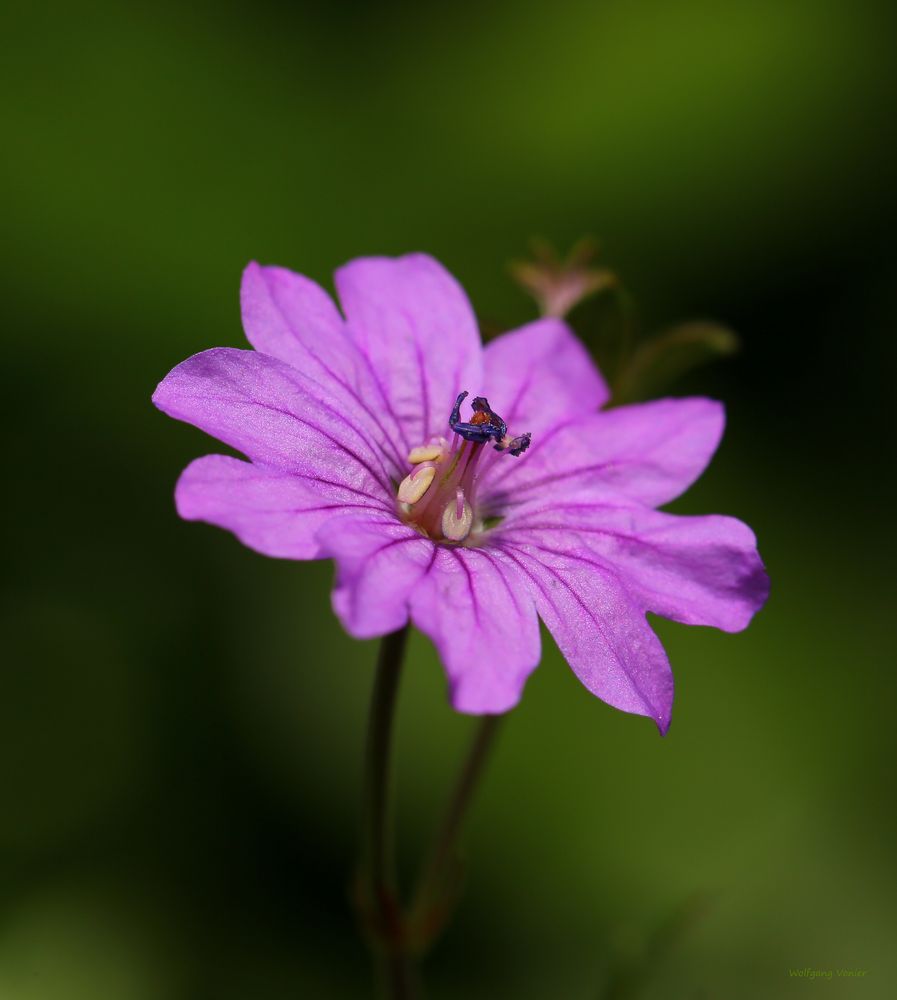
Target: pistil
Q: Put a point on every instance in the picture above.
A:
(438, 496)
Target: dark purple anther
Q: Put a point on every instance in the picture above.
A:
(516, 446)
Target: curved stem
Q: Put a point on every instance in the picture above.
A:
(377, 853)
(378, 902)
(437, 886)
(394, 934)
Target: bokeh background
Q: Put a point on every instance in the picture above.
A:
(181, 720)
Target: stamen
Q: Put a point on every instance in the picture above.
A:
(516, 446)
(438, 496)
(457, 518)
(425, 453)
(415, 485)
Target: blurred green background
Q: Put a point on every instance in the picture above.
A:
(181, 720)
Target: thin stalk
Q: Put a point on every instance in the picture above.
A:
(438, 884)
(378, 902)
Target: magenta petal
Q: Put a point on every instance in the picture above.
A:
(541, 375)
(477, 608)
(415, 324)
(274, 512)
(599, 630)
(277, 417)
(696, 570)
(473, 603)
(649, 452)
(290, 317)
(379, 561)
(657, 450)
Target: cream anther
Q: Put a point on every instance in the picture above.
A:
(457, 518)
(424, 453)
(413, 487)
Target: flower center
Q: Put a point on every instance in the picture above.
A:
(438, 496)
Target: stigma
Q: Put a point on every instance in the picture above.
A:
(438, 496)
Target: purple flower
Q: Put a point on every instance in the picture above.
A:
(471, 521)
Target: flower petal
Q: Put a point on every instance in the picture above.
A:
(542, 375)
(274, 512)
(379, 561)
(600, 631)
(278, 417)
(415, 324)
(476, 607)
(474, 604)
(649, 452)
(291, 318)
(696, 570)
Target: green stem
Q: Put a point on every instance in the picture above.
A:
(438, 884)
(379, 903)
(396, 936)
